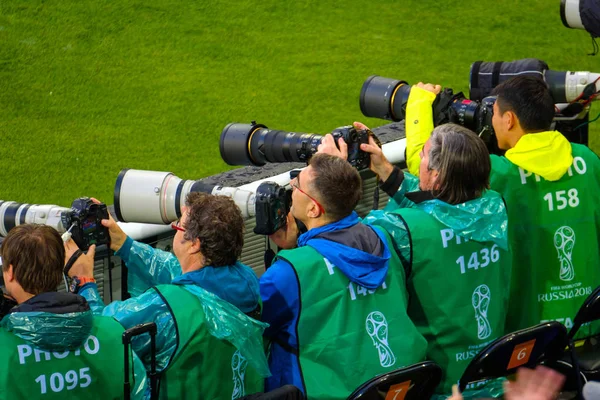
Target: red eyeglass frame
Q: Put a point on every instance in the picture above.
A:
(175, 225)
(294, 184)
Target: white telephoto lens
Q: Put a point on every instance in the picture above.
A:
(569, 13)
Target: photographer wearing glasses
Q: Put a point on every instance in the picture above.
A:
(51, 344)
(336, 304)
(552, 192)
(206, 346)
(450, 233)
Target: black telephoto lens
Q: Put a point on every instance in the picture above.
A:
(384, 98)
(255, 144)
(234, 141)
(557, 82)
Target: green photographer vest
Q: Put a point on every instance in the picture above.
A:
(346, 333)
(203, 367)
(459, 293)
(93, 371)
(554, 234)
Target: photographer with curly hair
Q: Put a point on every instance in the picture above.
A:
(199, 297)
(51, 345)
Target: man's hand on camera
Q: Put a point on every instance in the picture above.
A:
(430, 87)
(84, 265)
(379, 164)
(328, 146)
(287, 236)
(117, 236)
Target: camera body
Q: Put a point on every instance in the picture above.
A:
(272, 205)
(85, 222)
(354, 138)
(472, 114)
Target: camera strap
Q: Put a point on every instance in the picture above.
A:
(269, 254)
(71, 261)
(496, 73)
(441, 104)
(475, 92)
(595, 48)
(376, 191)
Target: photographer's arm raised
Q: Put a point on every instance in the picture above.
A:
(83, 267)
(146, 266)
(419, 122)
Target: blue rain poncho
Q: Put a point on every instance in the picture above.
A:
(482, 219)
(67, 327)
(148, 267)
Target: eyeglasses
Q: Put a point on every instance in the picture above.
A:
(177, 226)
(294, 185)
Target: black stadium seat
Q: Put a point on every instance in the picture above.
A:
(287, 392)
(588, 354)
(582, 364)
(417, 381)
(524, 348)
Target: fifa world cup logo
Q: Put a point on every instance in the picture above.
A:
(377, 328)
(238, 367)
(481, 302)
(564, 241)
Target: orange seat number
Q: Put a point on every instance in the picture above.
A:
(521, 354)
(398, 392)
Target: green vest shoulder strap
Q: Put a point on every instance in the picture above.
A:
(95, 370)
(299, 256)
(459, 292)
(216, 367)
(346, 333)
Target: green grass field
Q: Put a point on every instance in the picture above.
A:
(88, 88)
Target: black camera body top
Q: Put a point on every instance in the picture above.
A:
(85, 223)
(272, 204)
(354, 138)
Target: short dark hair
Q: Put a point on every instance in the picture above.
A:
(37, 255)
(337, 184)
(463, 163)
(530, 99)
(218, 223)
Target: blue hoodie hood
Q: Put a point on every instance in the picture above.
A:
(359, 251)
(236, 284)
